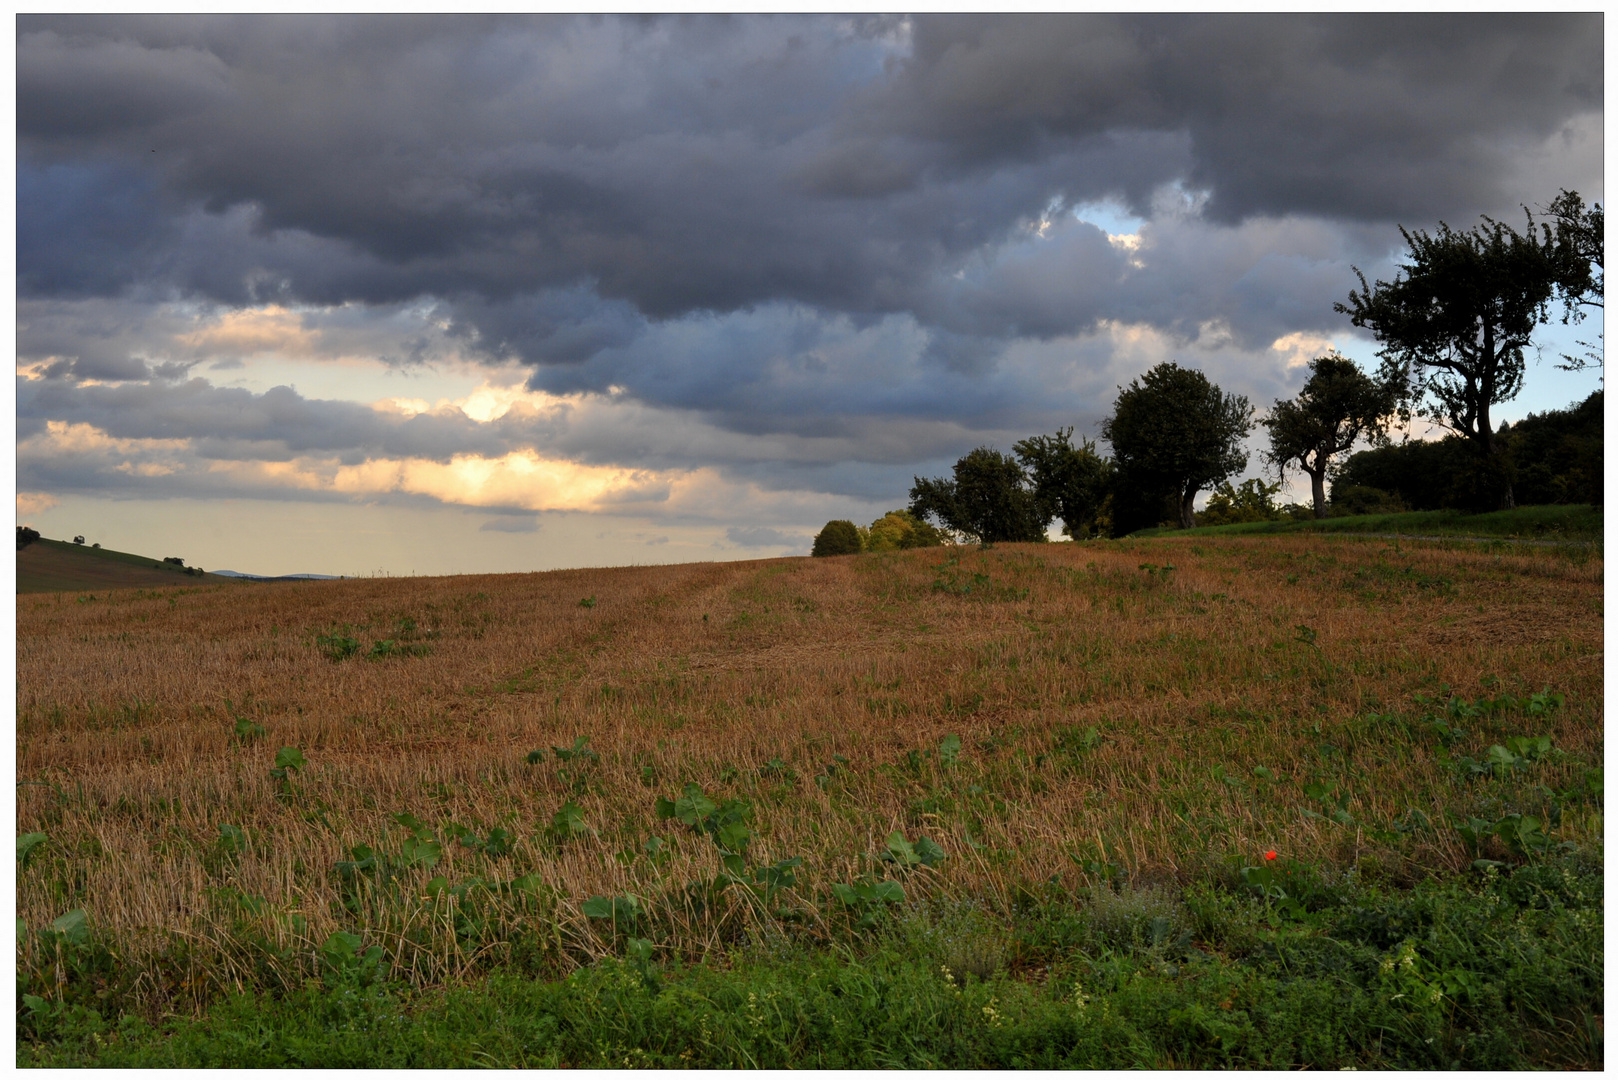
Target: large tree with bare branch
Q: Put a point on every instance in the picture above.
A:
(1454, 323)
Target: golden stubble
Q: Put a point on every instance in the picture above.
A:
(1299, 655)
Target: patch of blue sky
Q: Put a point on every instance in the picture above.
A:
(1545, 385)
(1115, 219)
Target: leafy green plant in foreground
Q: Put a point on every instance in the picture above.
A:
(1333, 803)
(246, 729)
(1517, 755)
(569, 822)
(868, 900)
(580, 751)
(232, 840)
(907, 856)
(288, 761)
(726, 823)
(383, 648)
(345, 961)
(624, 912)
(1524, 835)
(497, 844)
(27, 845)
(337, 645)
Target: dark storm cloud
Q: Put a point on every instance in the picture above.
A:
(697, 163)
(103, 85)
(558, 327)
(85, 230)
(1364, 116)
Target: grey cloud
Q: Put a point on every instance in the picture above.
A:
(514, 524)
(559, 327)
(85, 230)
(1364, 116)
(173, 370)
(699, 163)
(74, 88)
(867, 459)
(235, 424)
(760, 536)
(780, 394)
(127, 338)
(101, 367)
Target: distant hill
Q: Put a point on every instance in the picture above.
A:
(276, 577)
(58, 566)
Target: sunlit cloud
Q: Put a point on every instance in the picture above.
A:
(35, 502)
(521, 479)
(61, 437)
(1301, 347)
(251, 332)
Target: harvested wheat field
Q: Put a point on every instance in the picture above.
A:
(424, 781)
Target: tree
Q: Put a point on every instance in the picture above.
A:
(1454, 323)
(26, 536)
(837, 538)
(1070, 482)
(989, 499)
(1558, 453)
(900, 530)
(1580, 238)
(78, 539)
(1174, 432)
(1337, 407)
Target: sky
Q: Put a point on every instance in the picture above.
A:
(428, 295)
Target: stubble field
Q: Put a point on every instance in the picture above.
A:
(479, 762)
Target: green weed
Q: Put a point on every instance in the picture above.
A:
(337, 645)
(1134, 978)
(28, 844)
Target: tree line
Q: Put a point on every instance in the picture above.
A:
(1452, 329)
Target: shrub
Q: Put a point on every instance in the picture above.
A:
(837, 538)
(1552, 457)
(1558, 454)
(337, 645)
(1360, 499)
(1137, 919)
(1253, 501)
(900, 530)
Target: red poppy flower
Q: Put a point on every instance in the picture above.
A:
(1269, 855)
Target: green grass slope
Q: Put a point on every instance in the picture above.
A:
(57, 566)
(1576, 522)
